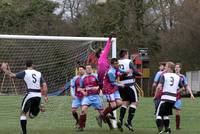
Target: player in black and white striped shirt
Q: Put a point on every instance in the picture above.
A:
(35, 85)
(128, 93)
(169, 83)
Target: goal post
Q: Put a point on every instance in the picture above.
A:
(55, 56)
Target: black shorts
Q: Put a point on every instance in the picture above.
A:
(129, 93)
(165, 108)
(31, 104)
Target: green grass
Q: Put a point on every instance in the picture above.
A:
(58, 120)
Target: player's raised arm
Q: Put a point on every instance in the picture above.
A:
(106, 50)
(4, 67)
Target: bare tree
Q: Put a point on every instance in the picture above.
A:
(70, 9)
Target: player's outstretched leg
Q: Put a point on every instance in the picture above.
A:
(103, 115)
(34, 108)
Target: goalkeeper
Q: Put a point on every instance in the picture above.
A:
(104, 64)
(36, 87)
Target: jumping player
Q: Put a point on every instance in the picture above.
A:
(103, 62)
(110, 90)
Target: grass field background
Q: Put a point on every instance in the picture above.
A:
(58, 119)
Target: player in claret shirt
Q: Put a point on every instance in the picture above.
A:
(90, 88)
(157, 96)
(77, 95)
(178, 103)
(110, 89)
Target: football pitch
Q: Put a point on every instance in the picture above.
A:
(57, 118)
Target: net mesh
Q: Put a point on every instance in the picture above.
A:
(56, 59)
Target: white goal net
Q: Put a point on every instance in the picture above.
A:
(56, 57)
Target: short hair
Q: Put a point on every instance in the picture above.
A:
(180, 65)
(29, 63)
(123, 52)
(171, 65)
(113, 60)
(81, 66)
(162, 63)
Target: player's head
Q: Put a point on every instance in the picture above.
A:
(162, 66)
(88, 69)
(169, 67)
(123, 53)
(29, 63)
(81, 70)
(114, 63)
(178, 67)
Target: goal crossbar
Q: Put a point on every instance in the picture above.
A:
(30, 37)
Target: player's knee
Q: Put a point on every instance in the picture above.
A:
(134, 104)
(125, 103)
(158, 118)
(23, 113)
(73, 110)
(113, 104)
(83, 112)
(166, 117)
(178, 112)
(119, 103)
(124, 106)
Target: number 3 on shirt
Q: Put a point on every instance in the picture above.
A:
(171, 81)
